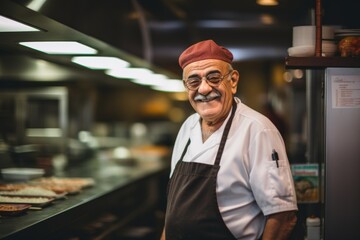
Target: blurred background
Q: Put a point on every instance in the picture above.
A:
(59, 109)
(148, 34)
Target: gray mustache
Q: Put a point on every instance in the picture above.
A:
(206, 98)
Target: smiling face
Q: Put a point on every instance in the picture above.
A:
(212, 103)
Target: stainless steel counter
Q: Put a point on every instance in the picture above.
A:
(127, 191)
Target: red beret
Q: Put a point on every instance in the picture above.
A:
(207, 49)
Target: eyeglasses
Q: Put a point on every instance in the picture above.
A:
(213, 79)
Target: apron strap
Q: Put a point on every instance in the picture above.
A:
(185, 150)
(225, 134)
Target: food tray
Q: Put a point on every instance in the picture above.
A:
(71, 185)
(76, 182)
(13, 209)
(33, 201)
(58, 189)
(15, 194)
(32, 191)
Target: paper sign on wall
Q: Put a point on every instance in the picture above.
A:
(345, 91)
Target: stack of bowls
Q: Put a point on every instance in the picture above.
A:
(304, 38)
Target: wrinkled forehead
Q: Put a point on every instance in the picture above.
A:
(203, 66)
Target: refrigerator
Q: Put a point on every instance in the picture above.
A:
(327, 170)
(341, 165)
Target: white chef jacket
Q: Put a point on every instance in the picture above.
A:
(249, 183)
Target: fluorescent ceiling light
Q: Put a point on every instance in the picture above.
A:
(43, 132)
(257, 52)
(130, 73)
(100, 62)
(151, 80)
(171, 85)
(160, 82)
(220, 24)
(9, 25)
(60, 47)
(144, 76)
(36, 5)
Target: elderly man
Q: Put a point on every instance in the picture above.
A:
(230, 177)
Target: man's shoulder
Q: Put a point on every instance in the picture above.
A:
(253, 117)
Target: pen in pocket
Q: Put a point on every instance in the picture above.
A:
(275, 157)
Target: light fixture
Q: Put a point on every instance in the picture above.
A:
(171, 85)
(36, 5)
(44, 132)
(100, 62)
(287, 76)
(298, 73)
(145, 76)
(151, 80)
(160, 82)
(60, 47)
(267, 19)
(267, 2)
(129, 73)
(9, 25)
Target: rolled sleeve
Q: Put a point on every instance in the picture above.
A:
(271, 182)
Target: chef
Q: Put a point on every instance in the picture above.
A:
(230, 176)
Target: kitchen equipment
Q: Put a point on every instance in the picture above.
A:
(21, 174)
(329, 48)
(305, 35)
(304, 39)
(313, 228)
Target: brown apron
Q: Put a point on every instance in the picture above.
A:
(192, 210)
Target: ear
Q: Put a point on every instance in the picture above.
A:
(235, 76)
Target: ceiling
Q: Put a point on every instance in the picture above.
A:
(156, 31)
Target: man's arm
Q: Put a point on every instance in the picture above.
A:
(279, 225)
(163, 235)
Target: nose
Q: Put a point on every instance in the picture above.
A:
(204, 87)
